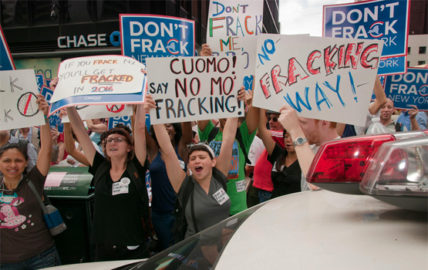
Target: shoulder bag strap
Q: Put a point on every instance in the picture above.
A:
(192, 208)
(33, 188)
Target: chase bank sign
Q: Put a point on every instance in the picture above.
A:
(89, 40)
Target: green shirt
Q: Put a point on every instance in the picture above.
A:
(236, 176)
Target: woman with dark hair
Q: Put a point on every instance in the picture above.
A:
(211, 202)
(121, 203)
(25, 241)
(286, 172)
(163, 195)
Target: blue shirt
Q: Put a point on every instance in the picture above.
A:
(404, 120)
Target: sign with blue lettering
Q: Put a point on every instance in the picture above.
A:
(322, 78)
(6, 61)
(156, 36)
(124, 120)
(408, 89)
(384, 20)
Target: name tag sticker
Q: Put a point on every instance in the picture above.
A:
(240, 185)
(221, 196)
(121, 187)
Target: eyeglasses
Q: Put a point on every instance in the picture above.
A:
(116, 139)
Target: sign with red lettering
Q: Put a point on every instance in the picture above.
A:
(18, 107)
(193, 88)
(104, 79)
(322, 78)
(232, 29)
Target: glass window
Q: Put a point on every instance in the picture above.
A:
(408, 50)
(422, 50)
(421, 62)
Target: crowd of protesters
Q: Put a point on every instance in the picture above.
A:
(185, 158)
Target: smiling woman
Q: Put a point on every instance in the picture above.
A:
(121, 212)
(25, 240)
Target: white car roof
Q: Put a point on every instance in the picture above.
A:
(327, 230)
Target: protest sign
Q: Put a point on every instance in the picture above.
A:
(322, 78)
(384, 20)
(232, 30)
(124, 120)
(146, 36)
(18, 95)
(101, 111)
(193, 88)
(408, 89)
(6, 61)
(100, 79)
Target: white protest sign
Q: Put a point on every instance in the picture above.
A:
(103, 79)
(322, 78)
(193, 88)
(18, 90)
(232, 28)
(101, 111)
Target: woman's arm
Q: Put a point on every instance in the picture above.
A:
(99, 128)
(44, 157)
(380, 99)
(81, 134)
(265, 134)
(139, 134)
(70, 145)
(186, 138)
(174, 171)
(225, 156)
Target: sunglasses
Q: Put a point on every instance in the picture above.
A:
(117, 139)
(273, 118)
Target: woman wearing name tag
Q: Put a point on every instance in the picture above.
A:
(121, 214)
(25, 241)
(210, 201)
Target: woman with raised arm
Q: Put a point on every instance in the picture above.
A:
(25, 241)
(286, 172)
(208, 180)
(121, 204)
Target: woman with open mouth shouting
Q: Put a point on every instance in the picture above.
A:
(209, 202)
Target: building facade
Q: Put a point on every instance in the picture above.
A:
(45, 32)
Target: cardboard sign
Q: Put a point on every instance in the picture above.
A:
(408, 89)
(232, 30)
(101, 111)
(322, 78)
(193, 88)
(103, 79)
(18, 95)
(146, 36)
(6, 61)
(384, 20)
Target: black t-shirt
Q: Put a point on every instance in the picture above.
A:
(287, 180)
(118, 207)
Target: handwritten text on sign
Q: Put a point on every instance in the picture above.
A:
(193, 88)
(101, 79)
(408, 89)
(232, 28)
(18, 90)
(322, 78)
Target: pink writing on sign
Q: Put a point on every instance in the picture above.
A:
(54, 179)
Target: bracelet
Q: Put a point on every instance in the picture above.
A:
(46, 119)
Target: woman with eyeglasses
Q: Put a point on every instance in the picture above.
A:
(286, 172)
(121, 203)
(210, 201)
(25, 241)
